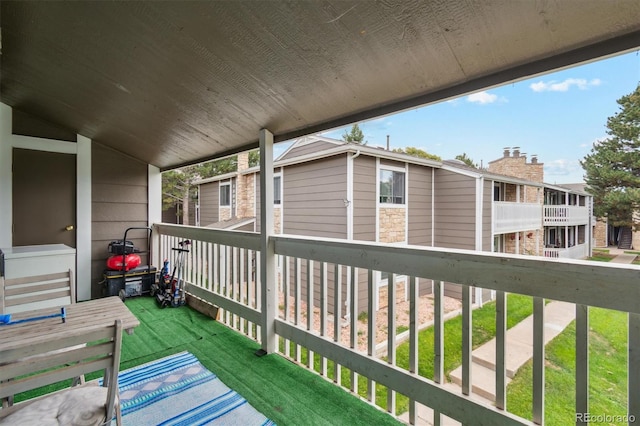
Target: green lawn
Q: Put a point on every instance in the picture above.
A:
(484, 321)
(601, 257)
(607, 377)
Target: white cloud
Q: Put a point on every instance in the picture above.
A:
(563, 86)
(562, 168)
(482, 98)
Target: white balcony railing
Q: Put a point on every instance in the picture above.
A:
(223, 269)
(566, 215)
(515, 217)
(579, 251)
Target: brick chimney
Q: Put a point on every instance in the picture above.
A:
(244, 191)
(517, 166)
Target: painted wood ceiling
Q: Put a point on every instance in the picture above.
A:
(173, 83)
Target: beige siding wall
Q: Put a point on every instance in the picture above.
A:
(455, 210)
(487, 200)
(455, 215)
(119, 201)
(209, 199)
(313, 198)
(419, 204)
(364, 198)
(309, 149)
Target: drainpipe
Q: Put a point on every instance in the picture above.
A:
(347, 301)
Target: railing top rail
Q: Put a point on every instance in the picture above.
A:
(575, 281)
(515, 203)
(242, 239)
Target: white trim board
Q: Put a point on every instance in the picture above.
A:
(82, 150)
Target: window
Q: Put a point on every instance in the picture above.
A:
(225, 195)
(391, 187)
(277, 192)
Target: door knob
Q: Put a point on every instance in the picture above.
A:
(69, 228)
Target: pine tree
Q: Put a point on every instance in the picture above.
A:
(417, 152)
(466, 160)
(354, 136)
(613, 166)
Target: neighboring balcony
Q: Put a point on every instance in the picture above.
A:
(515, 217)
(566, 215)
(579, 251)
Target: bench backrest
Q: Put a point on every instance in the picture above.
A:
(64, 357)
(35, 292)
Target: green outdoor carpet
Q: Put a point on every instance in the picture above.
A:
(282, 391)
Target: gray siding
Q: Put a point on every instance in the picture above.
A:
(364, 198)
(487, 200)
(385, 162)
(256, 182)
(313, 198)
(455, 216)
(455, 210)
(209, 200)
(119, 201)
(308, 149)
(313, 205)
(419, 204)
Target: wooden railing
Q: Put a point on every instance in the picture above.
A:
(579, 251)
(316, 328)
(565, 215)
(515, 217)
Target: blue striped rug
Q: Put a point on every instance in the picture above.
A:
(178, 390)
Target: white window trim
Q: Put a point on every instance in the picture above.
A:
(227, 183)
(276, 175)
(391, 169)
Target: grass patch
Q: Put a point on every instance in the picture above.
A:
(636, 261)
(601, 250)
(601, 257)
(607, 375)
(632, 252)
(484, 322)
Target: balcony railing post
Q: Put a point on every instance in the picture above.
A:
(269, 305)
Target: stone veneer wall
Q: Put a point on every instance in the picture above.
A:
(527, 244)
(245, 193)
(224, 213)
(600, 234)
(277, 214)
(392, 224)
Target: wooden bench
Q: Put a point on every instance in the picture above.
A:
(60, 357)
(35, 292)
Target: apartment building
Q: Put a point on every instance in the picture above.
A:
(328, 188)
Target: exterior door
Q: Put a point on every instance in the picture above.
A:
(44, 198)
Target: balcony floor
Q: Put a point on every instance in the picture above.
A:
(282, 391)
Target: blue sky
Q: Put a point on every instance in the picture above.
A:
(557, 116)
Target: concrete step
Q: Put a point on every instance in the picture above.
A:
(517, 354)
(483, 380)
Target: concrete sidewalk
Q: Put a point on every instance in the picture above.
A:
(624, 258)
